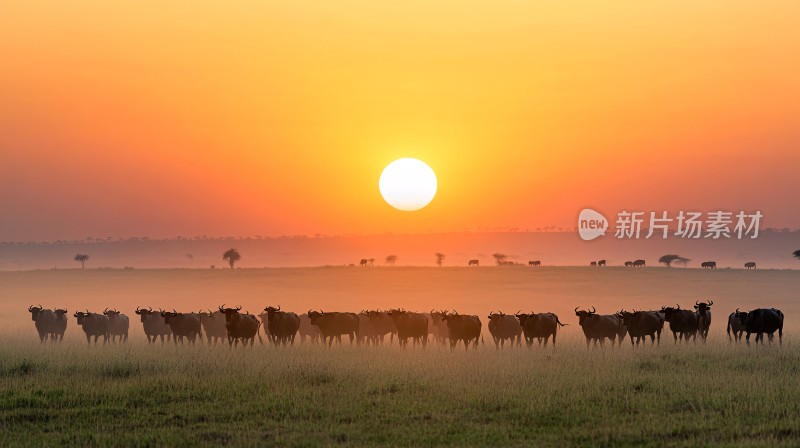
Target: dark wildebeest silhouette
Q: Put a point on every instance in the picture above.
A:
(682, 323)
(708, 265)
(639, 264)
(628, 264)
(601, 263)
(593, 263)
(307, 330)
(597, 327)
(762, 321)
(750, 265)
(281, 325)
(49, 323)
(535, 263)
(363, 262)
(641, 324)
(241, 327)
(334, 325)
(539, 326)
(462, 328)
(93, 325)
(504, 328)
(703, 317)
(410, 326)
(214, 325)
(381, 325)
(474, 263)
(154, 325)
(183, 325)
(365, 334)
(118, 325)
(438, 327)
(736, 327)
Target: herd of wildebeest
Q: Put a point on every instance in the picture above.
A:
(372, 327)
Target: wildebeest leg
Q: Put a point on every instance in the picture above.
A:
(546, 338)
(88, 339)
(748, 338)
(675, 335)
(466, 344)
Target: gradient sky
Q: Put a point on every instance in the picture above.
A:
(243, 118)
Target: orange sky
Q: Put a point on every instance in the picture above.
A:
(221, 118)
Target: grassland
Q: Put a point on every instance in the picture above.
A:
(135, 395)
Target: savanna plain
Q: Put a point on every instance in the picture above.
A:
(695, 394)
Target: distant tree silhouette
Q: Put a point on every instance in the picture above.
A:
(391, 260)
(499, 258)
(668, 259)
(231, 256)
(797, 254)
(82, 259)
(371, 261)
(439, 258)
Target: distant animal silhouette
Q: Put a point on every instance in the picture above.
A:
(708, 265)
(628, 264)
(594, 263)
(363, 262)
(474, 263)
(639, 264)
(750, 265)
(535, 263)
(601, 263)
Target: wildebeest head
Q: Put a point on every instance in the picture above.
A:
(271, 310)
(702, 307)
(669, 311)
(626, 316)
(584, 314)
(81, 316)
(229, 312)
(493, 315)
(314, 316)
(170, 315)
(522, 317)
(742, 316)
(143, 313)
(61, 313)
(35, 310)
(112, 314)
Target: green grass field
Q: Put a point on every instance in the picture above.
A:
(309, 396)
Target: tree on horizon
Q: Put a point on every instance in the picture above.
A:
(82, 259)
(667, 260)
(439, 258)
(391, 260)
(499, 258)
(797, 254)
(231, 256)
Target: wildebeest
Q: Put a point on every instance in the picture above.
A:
(535, 263)
(365, 334)
(154, 325)
(708, 265)
(283, 325)
(736, 327)
(504, 328)
(703, 317)
(474, 263)
(628, 264)
(381, 325)
(462, 328)
(307, 330)
(410, 326)
(640, 324)
(334, 324)
(593, 263)
(682, 323)
(118, 325)
(762, 321)
(540, 326)
(214, 325)
(48, 322)
(598, 327)
(750, 265)
(241, 327)
(93, 325)
(601, 263)
(183, 325)
(639, 263)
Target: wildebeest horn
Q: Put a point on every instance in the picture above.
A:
(696, 302)
(30, 308)
(279, 307)
(239, 308)
(677, 307)
(737, 310)
(309, 311)
(594, 310)
(710, 302)
(222, 307)
(576, 309)
(174, 312)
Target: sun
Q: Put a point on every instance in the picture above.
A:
(408, 184)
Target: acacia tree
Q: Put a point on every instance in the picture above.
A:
(439, 258)
(797, 254)
(499, 258)
(669, 259)
(231, 256)
(391, 260)
(82, 259)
